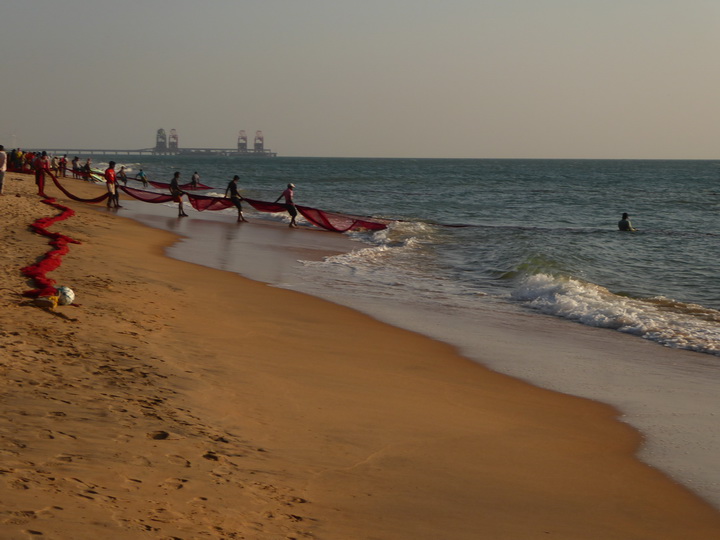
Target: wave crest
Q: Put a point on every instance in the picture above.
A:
(665, 321)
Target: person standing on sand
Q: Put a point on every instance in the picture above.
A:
(63, 166)
(3, 167)
(235, 197)
(195, 180)
(289, 193)
(76, 167)
(87, 170)
(177, 193)
(624, 224)
(111, 183)
(42, 165)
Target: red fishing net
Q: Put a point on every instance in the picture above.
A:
(205, 202)
(53, 258)
(147, 196)
(331, 221)
(263, 206)
(186, 187)
(101, 198)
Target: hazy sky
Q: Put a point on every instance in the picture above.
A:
(376, 78)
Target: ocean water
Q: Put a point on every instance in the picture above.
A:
(483, 245)
(540, 234)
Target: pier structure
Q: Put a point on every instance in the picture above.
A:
(170, 146)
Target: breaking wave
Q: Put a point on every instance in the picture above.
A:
(663, 320)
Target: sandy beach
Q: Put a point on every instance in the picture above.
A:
(176, 401)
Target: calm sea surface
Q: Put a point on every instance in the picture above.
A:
(538, 234)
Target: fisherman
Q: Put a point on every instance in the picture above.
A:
(76, 167)
(140, 176)
(122, 175)
(63, 165)
(42, 165)
(235, 197)
(624, 224)
(87, 170)
(195, 179)
(289, 203)
(3, 167)
(111, 183)
(177, 193)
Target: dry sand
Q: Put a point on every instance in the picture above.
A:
(177, 401)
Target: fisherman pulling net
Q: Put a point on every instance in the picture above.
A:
(331, 221)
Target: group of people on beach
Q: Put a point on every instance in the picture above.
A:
(29, 162)
(39, 163)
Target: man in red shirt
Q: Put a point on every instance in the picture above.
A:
(113, 195)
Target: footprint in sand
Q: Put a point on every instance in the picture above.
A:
(212, 456)
(19, 518)
(174, 483)
(132, 484)
(140, 460)
(178, 460)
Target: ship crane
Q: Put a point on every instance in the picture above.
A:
(242, 141)
(161, 141)
(173, 142)
(259, 142)
(169, 145)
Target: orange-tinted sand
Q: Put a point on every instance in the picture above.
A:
(178, 401)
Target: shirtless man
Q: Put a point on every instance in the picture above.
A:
(122, 175)
(235, 197)
(177, 193)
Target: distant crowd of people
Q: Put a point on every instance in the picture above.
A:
(38, 163)
(31, 162)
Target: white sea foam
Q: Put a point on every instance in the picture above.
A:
(671, 324)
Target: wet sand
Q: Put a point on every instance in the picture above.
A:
(178, 401)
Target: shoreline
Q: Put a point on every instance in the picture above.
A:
(287, 414)
(660, 391)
